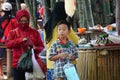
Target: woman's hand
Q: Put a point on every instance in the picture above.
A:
(28, 42)
(24, 39)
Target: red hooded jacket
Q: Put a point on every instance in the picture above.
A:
(15, 39)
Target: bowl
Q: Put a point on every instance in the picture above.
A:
(81, 30)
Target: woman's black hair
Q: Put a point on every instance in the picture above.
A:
(64, 22)
(58, 13)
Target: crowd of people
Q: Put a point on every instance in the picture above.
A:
(54, 42)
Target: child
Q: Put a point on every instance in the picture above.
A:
(62, 50)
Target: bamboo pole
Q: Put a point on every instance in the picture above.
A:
(47, 10)
(52, 3)
(18, 4)
(118, 16)
(32, 10)
(106, 11)
(80, 4)
(89, 13)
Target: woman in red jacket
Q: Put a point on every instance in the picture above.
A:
(20, 39)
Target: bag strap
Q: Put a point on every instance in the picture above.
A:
(6, 24)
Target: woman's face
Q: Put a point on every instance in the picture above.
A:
(63, 30)
(23, 20)
(23, 23)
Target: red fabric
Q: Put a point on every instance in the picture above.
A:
(14, 42)
(21, 13)
(23, 26)
(12, 25)
(61, 42)
(42, 11)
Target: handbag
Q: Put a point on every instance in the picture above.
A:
(70, 71)
(25, 62)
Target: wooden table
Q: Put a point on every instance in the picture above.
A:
(100, 63)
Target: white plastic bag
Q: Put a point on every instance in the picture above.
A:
(37, 71)
(70, 7)
(70, 72)
(29, 76)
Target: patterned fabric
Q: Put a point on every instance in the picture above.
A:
(58, 48)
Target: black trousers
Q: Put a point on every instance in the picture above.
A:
(18, 75)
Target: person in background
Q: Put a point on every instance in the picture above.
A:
(41, 11)
(23, 6)
(42, 35)
(7, 18)
(9, 21)
(20, 39)
(38, 13)
(62, 50)
(58, 13)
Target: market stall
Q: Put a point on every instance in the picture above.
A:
(99, 60)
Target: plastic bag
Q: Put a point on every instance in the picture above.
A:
(42, 55)
(37, 71)
(70, 72)
(29, 76)
(25, 62)
(70, 7)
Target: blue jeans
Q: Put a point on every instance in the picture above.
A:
(49, 75)
(3, 53)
